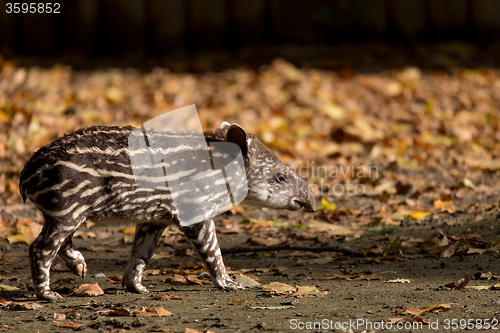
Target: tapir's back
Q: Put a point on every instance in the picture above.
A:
(88, 174)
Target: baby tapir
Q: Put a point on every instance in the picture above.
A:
(87, 174)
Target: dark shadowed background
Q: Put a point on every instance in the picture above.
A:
(316, 33)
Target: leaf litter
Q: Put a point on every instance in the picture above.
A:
(403, 121)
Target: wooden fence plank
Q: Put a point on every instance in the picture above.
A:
(207, 22)
(6, 31)
(168, 23)
(447, 18)
(88, 15)
(486, 18)
(123, 22)
(35, 34)
(408, 17)
(371, 18)
(248, 18)
(136, 26)
(277, 14)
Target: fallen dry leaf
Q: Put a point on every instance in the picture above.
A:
(245, 281)
(6, 287)
(21, 306)
(419, 215)
(166, 297)
(193, 279)
(413, 312)
(460, 283)
(280, 288)
(468, 183)
(118, 312)
(269, 241)
(115, 279)
(188, 264)
(238, 302)
(433, 308)
(331, 229)
(59, 316)
(437, 308)
(325, 205)
(351, 276)
(67, 324)
(84, 234)
(408, 320)
(158, 311)
(72, 314)
(439, 204)
(316, 261)
(189, 330)
(400, 281)
(449, 250)
(478, 287)
(175, 279)
(87, 290)
(157, 256)
(254, 270)
(26, 231)
(309, 291)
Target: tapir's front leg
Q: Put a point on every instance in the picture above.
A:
(203, 236)
(143, 248)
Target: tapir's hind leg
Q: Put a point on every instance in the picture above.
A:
(43, 251)
(73, 258)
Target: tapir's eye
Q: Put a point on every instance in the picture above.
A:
(280, 177)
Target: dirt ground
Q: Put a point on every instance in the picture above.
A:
(355, 304)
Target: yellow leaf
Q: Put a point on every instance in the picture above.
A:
(332, 229)
(437, 308)
(280, 288)
(400, 215)
(468, 183)
(442, 204)
(325, 205)
(129, 230)
(8, 288)
(26, 232)
(364, 130)
(419, 215)
(334, 111)
(114, 95)
(310, 290)
(238, 302)
(478, 287)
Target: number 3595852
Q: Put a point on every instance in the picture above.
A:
(33, 7)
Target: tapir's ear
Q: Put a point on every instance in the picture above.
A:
(236, 134)
(225, 125)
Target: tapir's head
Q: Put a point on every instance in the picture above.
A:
(271, 183)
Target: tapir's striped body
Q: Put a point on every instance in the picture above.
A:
(87, 174)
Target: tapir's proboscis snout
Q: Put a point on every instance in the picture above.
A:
(307, 199)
